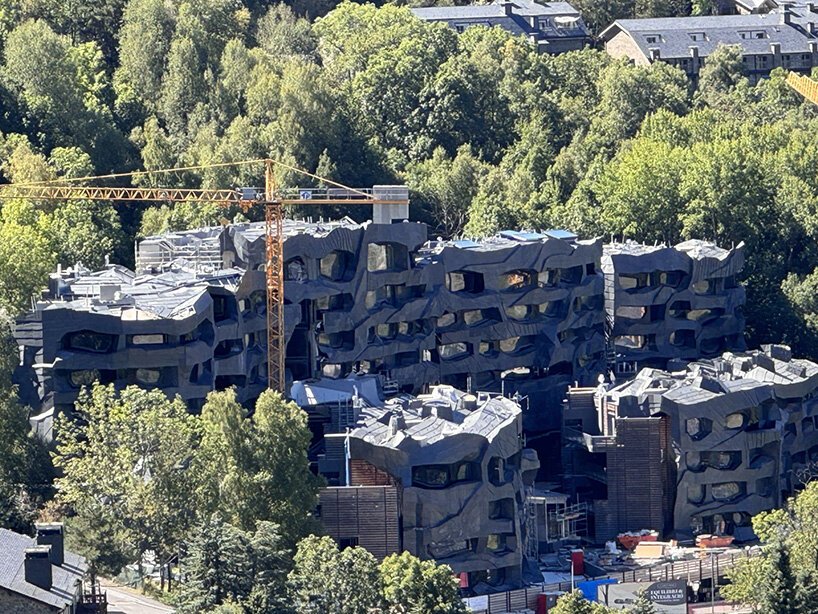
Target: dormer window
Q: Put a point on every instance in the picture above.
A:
(652, 39)
(697, 36)
(460, 27)
(543, 24)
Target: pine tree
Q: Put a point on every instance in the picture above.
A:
(780, 588)
(807, 592)
(643, 605)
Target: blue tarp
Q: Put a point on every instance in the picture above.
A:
(590, 588)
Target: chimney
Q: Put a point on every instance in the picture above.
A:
(812, 7)
(694, 60)
(786, 15)
(533, 21)
(775, 49)
(813, 46)
(51, 534)
(508, 7)
(38, 566)
(654, 54)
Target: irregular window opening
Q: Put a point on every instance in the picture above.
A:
(516, 344)
(588, 303)
(728, 491)
(636, 281)
(90, 341)
(631, 341)
(698, 428)
(84, 377)
(683, 338)
(549, 278)
(695, 493)
(295, 270)
(571, 276)
(224, 307)
(447, 319)
(517, 280)
(469, 282)
(430, 476)
(521, 312)
(552, 309)
(631, 312)
(453, 351)
(148, 376)
(486, 348)
(336, 302)
(735, 420)
(679, 309)
(387, 257)
(338, 265)
(704, 286)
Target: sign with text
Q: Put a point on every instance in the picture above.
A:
(669, 597)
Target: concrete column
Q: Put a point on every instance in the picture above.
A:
(386, 214)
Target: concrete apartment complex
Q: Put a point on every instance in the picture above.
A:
(664, 303)
(696, 450)
(442, 475)
(785, 38)
(37, 574)
(553, 27)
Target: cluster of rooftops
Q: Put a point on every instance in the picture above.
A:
(173, 287)
(770, 33)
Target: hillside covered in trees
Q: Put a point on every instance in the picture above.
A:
(488, 134)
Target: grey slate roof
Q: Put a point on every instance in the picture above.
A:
(674, 34)
(518, 23)
(12, 572)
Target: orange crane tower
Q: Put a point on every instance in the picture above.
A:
(272, 199)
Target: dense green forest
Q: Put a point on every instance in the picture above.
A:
(487, 133)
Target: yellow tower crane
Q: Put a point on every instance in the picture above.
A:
(273, 200)
(804, 86)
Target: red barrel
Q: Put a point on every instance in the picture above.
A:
(542, 604)
(578, 562)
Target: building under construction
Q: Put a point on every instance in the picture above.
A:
(443, 475)
(698, 450)
(520, 313)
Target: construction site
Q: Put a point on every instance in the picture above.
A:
(483, 403)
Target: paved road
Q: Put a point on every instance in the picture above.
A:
(123, 600)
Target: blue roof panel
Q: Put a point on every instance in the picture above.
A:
(558, 233)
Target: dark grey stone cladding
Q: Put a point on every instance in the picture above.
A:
(681, 302)
(461, 470)
(520, 312)
(742, 426)
(182, 332)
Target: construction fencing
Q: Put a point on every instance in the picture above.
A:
(691, 570)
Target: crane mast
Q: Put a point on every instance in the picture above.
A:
(804, 86)
(271, 198)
